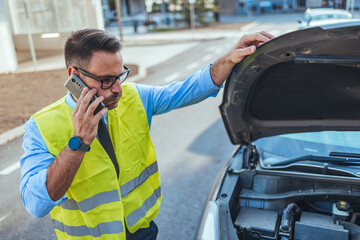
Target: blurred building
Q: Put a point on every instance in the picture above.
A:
(47, 22)
(8, 60)
(238, 7)
(248, 7)
(132, 7)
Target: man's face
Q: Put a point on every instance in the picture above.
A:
(104, 64)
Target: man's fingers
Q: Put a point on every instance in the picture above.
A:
(255, 39)
(100, 114)
(259, 38)
(85, 101)
(266, 34)
(243, 52)
(94, 105)
(82, 95)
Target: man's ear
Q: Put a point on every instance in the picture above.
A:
(72, 70)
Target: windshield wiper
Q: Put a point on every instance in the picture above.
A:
(343, 154)
(325, 159)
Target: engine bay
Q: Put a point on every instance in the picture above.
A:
(269, 206)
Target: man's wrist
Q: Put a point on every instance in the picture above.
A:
(76, 144)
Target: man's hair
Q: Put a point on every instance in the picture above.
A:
(81, 45)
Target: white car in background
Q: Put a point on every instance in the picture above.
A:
(324, 16)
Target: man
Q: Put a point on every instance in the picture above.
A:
(92, 192)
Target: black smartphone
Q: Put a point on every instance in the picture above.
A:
(75, 86)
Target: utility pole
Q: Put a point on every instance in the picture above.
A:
(192, 13)
(119, 20)
(217, 12)
(29, 33)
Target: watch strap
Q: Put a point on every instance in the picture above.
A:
(84, 147)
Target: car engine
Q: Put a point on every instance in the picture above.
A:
(295, 207)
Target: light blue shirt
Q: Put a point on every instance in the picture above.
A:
(155, 99)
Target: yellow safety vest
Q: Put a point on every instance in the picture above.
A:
(99, 205)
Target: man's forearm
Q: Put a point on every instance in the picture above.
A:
(61, 172)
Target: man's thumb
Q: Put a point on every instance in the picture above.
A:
(241, 53)
(249, 50)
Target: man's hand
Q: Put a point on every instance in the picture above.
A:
(84, 121)
(247, 44)
(61, 172)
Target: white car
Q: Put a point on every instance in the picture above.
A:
(323, 16)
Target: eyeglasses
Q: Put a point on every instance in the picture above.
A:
(107, 82)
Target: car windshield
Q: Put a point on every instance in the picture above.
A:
(330, 16)
(279, 148)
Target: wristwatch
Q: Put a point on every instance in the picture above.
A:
(75, 143)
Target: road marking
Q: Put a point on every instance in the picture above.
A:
(3, 217)
(10, 168)
(172, 77)
(192, 66)
(207, 57)
(249, 26)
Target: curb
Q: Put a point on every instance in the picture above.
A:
(19, 130)
(128, 43)
(11, 134)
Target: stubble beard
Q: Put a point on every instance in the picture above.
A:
(112, 101)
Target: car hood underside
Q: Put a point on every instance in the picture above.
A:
(307, 80)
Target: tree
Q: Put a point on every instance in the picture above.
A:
(202, 10)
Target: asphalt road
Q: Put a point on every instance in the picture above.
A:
(191, 145)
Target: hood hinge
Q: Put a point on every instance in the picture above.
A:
(252, 156)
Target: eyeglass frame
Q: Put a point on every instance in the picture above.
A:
(86, 73)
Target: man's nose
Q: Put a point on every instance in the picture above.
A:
(116, 87)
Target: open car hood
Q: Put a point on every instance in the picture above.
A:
(303, 81)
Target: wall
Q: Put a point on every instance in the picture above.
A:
(8, 61)
(52, 16)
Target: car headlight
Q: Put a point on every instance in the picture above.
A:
(210, 222)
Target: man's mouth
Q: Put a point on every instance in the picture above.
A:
(113, 100)
(116, 97)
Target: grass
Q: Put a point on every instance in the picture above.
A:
(163, 30)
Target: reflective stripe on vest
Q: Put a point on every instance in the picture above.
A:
(82, 231)
(139, 213)
(128, 187)
(92, 202)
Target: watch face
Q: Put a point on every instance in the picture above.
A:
(74, 143)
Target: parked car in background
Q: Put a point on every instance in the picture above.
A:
(322, 16)
(293, 109)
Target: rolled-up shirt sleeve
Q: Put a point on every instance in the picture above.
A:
(34, 164)
(162, 99)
